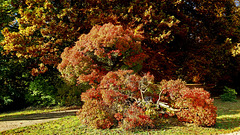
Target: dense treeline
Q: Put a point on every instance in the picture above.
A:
(195, 40)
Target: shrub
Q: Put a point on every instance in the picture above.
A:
(117, 92)
(229, 95)
(105, 48)
(41, 92)
(14, 80)
(101, 57)
(68, 94)
(135, 117)
(195, 105)
(96, 114)
(136, 102)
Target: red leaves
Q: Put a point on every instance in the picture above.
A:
(95, 113)
(93, 93)
(42, 69)
(104, 48)
(116, 88)
(118, 116)
(136, 118)
(195, 105)
(112, 93)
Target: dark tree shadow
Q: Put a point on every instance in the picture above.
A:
(227, 123)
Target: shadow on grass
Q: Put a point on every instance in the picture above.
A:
(39, 116)
(227, 108)
(227, 123)
(228, 114)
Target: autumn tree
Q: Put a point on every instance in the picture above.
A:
(204, 49)
(183, 39)
(13, 74)
(27, 48)
(8, 11)
(129, 101)
(102, 58)
(105, 48)
(45, 29)
(148, 17)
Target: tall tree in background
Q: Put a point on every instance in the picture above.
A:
(14, 72)
(189, 39)
(8, 10)
(45, 29)
(203, 51)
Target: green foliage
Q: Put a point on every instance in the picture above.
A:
(7, 100)
(229, 95)
(14, 79)
(68, 95)
(9, 11)
(41, 92)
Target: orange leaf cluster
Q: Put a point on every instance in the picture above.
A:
(113, 93)
(195, 104)
(105, 48)
(121, 92)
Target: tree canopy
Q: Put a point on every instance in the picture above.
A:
(190, 39)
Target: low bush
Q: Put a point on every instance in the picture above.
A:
(135, 117)
(117, 92)
(137, 102)
(41, 92)
(68, 94)
(97, 114)
(229, 95)
(194, 105)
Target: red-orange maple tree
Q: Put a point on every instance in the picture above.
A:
(105, 48)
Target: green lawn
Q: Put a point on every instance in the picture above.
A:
(33, 111)
(228, 120)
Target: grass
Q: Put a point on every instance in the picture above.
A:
(228, 115)
(32, 111)
(228, 121)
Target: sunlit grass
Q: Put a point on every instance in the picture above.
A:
(228, 115)
(32, 111)
(228, 120)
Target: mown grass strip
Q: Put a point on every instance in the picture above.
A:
(34, 111)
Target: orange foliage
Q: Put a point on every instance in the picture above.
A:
(195, 104)
(105, 48)
(123, 93)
